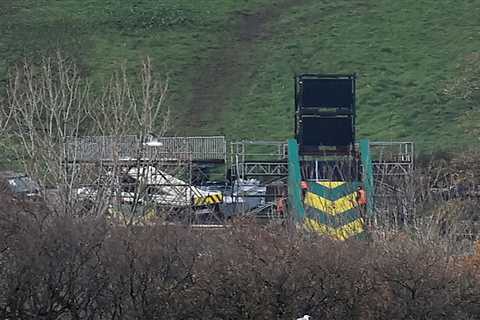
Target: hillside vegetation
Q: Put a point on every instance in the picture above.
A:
(231, 63)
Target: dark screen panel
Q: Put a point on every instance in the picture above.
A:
(328, 93)
(326, 131)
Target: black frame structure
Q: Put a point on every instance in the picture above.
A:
(325, 111)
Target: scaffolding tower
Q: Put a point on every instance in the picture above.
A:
(393, 171)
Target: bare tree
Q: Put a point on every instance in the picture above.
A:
(47, 105)
(126, 110)
(50, 109)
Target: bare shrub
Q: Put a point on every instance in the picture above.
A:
(50, 108)
(149, 271)
(48, 269)
(85, 268)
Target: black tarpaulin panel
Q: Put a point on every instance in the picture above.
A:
(317, 131)
(327, 93)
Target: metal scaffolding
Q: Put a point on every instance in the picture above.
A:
(265, 162)
(189, 159)
(127, 148)
(251, 159)
(393, 169)
(164, 168)
(392, 158)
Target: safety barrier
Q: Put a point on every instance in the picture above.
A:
(330, 207)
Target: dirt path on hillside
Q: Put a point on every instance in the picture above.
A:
(227, 66)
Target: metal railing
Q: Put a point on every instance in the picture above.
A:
(108, 148)
(258, 158)
(392, 158)
(392, 151)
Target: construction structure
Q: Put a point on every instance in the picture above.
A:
(393, 173)
(313, 178)
(267, 163)
(326, 167)
(163, 170)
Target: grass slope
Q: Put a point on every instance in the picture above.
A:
(231, 63)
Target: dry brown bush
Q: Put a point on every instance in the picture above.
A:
(84, 268)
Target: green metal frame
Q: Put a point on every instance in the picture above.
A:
(367, 176)
(294, 180)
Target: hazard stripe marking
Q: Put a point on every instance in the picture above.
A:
(210, 199)
(333, 194)
(333, 221)
(331, 184)
(342, 233)
(341, 205)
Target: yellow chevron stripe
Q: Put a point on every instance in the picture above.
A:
(331, 184)
(210, 199)
(200, 201)
(331, 207)
(342, 233)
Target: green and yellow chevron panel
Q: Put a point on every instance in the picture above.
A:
(214, 198)
(331, 209)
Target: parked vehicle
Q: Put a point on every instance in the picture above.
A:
(19, 184)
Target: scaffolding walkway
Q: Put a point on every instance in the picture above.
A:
(128, 148)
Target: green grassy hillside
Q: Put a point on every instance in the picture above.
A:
(231, 62)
